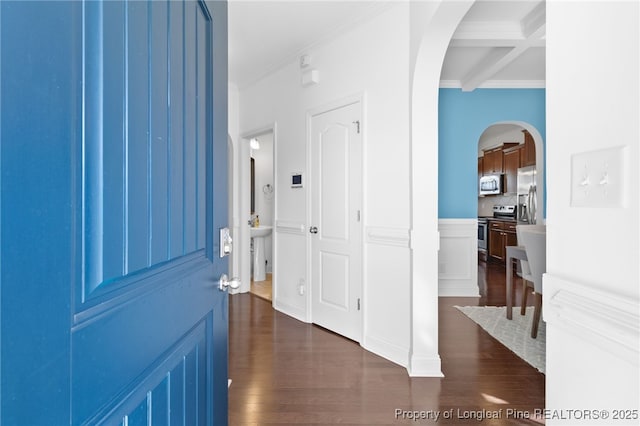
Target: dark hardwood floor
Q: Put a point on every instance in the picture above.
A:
(290, 373)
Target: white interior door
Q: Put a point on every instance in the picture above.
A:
(336, 233)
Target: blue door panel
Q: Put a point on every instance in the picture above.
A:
(190, 124)
(139, 416)
(114, 127)
(145, 144)
(171, 392)
(36, 202)
(149, 327)
(137, 138)
(176, 102)
(159, 401)
(177, 395)
(112, 143)
(159, 141)
(202, 46)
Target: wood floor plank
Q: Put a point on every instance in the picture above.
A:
(286, 372)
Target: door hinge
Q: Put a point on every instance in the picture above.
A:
(357, 123)
(358, 215)
(358, 303)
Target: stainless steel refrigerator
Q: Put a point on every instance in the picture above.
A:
(527, 199)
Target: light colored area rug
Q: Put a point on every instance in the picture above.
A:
(515, 334)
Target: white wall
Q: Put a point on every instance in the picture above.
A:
(591, 290)
(371, 59)
(234, 154)
(234, 111)
(264, 206)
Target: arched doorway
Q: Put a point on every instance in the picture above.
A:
(432, 28)
(433, 25)
(514, 131)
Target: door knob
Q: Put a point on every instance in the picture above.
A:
(313, 229)
(225, 283)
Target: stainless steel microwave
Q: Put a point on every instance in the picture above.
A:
(490, 185)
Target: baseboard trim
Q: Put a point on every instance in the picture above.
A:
(422, 366)
(460, 290)
(387, 350)
(290, 310)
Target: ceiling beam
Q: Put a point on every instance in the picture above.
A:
(507, 49)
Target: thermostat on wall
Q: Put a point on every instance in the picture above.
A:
(296, 180)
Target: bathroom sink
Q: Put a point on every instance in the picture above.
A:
(259, 267)
(261, 231)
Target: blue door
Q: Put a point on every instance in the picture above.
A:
(113, 131)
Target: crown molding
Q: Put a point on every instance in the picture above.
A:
(497, 84)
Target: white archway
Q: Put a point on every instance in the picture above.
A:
(432, 26)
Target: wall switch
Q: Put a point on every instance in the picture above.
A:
(226, 243)
(598, 178)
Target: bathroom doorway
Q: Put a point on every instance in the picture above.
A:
(256, 213)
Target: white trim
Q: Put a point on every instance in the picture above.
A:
(497, 84)
(269, 128)
(392, 352)
(609, 321)
(330, 106)
(476, 32)
(395, 237)
(286, 227)
(425, 367)
(290, 310)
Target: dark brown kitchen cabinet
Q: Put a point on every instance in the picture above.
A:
(528, 151)
(511, 162)
(496, 244)
(501, 235)
(492, 163)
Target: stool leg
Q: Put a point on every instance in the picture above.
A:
(525, 291)
(536, 315)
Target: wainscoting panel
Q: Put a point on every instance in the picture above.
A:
(290, 265)
(387, 289)
(458, 258)
(593, 348)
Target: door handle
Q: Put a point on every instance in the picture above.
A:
(225, 283)
(313, 229)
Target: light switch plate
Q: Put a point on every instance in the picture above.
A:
(226, 243)
(598, 178)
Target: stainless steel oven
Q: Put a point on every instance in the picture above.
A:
(483, 234)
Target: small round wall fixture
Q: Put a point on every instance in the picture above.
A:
(267, 190)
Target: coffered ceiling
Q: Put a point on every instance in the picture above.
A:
(499, 43)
